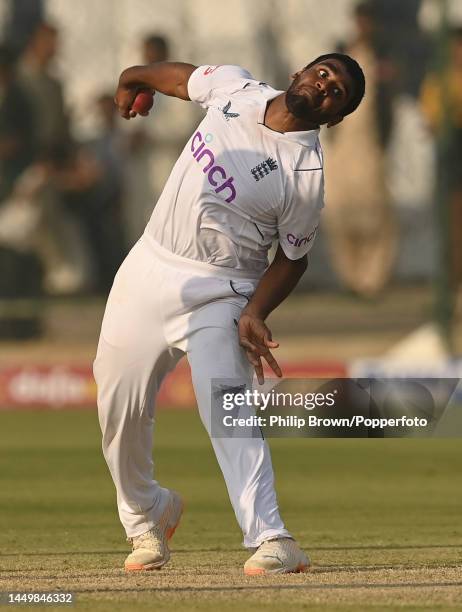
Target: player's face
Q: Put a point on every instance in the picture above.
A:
(320, 93)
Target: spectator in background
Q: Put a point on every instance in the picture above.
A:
(17, 128)
(63, 249)
(22, 17)
(359, 219)
(405, 42)
(20, 271)
(44, 88)
(155, 147)
(155, 49)
(441, 99)
(95, 189)
(146, 170)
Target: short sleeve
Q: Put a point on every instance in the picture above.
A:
(299, 220)
(205, 81)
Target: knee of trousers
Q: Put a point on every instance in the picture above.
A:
(124, 394)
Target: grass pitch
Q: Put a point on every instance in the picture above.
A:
(381, 520)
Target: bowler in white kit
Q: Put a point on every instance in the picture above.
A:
(198, 283)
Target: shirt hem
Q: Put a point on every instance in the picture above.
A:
(200, 267)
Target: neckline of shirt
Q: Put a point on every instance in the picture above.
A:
(306, 138)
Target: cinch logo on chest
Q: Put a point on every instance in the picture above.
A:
(214, 172)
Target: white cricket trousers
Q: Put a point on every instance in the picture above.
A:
(162, 306)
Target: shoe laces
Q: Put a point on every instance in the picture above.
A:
(152, 540)
(275, 547)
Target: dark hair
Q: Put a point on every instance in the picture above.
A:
(356, 73)
(159, 42)
(40, 27)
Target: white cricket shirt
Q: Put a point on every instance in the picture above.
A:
(238, 185)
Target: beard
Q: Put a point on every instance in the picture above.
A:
(297, 104)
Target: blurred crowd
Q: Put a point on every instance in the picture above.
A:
(63, 202)
(71, 209)
(360, 218)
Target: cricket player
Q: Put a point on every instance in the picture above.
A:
(198, 283)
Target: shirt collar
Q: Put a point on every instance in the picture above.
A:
(307, 138)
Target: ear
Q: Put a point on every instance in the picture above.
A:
(335, 121)
(295, 75)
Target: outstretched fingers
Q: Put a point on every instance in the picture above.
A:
(273, 364)
(255, 353)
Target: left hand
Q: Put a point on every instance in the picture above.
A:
(256, 339)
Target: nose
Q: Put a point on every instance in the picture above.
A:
(321, 88)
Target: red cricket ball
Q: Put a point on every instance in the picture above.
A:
(143, 102)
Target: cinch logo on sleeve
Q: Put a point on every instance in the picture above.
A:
(298, 242)
(214, 172)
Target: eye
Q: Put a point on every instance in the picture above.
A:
(323, 73)
(337, 92)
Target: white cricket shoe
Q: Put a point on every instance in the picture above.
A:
(150, 549)
(281, 556)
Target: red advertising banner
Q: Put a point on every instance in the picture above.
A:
(63, 386)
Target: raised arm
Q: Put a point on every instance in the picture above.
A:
(275, 285)
(169, 78)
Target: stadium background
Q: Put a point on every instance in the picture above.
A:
(412, 325)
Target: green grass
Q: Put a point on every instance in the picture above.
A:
(381, 520)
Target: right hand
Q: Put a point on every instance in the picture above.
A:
(123, 99)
